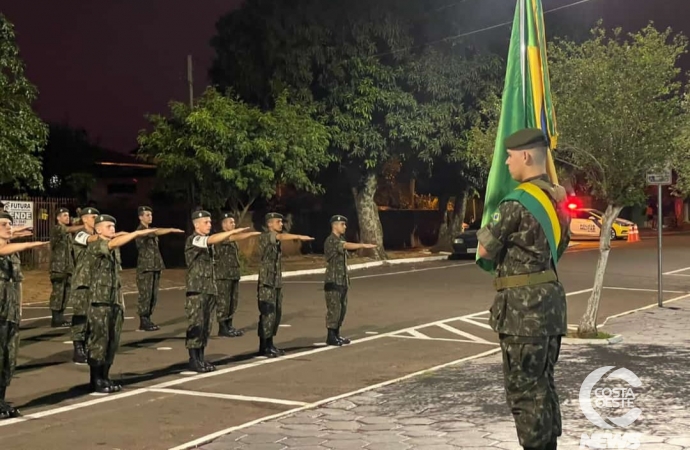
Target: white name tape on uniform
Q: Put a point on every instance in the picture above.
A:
(200, 241)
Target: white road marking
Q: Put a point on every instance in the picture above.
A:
(388, 274)
(671, 272)
(210, 437)
(285, 325)
(472, 322)
(164, 348)
(654, 305)
(417, 334)
(444, 339)
(242, 398)
(371, 332)
(462, 333)
(644, 290)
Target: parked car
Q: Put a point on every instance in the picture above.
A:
(466, 242)
(587, 223)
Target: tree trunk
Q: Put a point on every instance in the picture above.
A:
(459, 210)
(588, 323)
(370, 229)
(442, 240)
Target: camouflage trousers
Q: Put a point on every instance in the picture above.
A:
(270, 311)
(60, 293)
(336, 307)
(9, 346)
(228, 299)
(147, 285)
(198, 310)
(105, 326)
(79, 300)
(528, 369)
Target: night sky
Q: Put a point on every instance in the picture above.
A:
(103, 64)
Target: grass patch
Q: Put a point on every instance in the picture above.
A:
(600, 335)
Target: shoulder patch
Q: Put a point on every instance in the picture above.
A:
(496, 217)
(200, 241)
(81, 237)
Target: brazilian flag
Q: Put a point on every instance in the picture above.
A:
(526, 103)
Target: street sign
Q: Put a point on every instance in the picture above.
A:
(661, 178)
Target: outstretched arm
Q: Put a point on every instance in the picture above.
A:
(127, 237)
(164, 231)
(15, 248)
(242, 236)
(293, 237)
(223, 235)
(353, 246)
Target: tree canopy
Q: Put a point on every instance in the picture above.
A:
(231, 153)
(22, 133)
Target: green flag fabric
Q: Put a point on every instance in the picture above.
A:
(526, 103)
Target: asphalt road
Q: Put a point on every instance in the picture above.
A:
(402, 319)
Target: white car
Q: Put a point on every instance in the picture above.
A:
(587, 223)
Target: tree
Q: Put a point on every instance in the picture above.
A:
(229, 154)
(618, 107)
(359, 62)
(22, 133)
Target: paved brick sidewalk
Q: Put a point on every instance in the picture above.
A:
(463, 407)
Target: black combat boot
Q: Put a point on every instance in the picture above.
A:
(273, 348)
(145, 324)
(117, 387)
(58, 320)
(265, 349)
(344, 340)
(195, 363)
(101, 384)
(7, 411)
(332, 338)
(79, 355)
(209, 366)
(233, 330)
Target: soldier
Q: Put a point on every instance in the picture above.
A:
(149, 267)
(10, 287)
(228, 277)
(201, 287)
(269, 286)
(101, 276)
(525, 239)
(79, 296)
(61, 266)
(337, 280)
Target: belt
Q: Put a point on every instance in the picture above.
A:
(528, 279)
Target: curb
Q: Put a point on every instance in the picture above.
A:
(615, 339)
(388, 262)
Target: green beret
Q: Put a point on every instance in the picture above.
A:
(526, 139)
(338, 218)
(89, 210)
(227, 215)
(6, 215)
(274, 215)
(62, 210)
(200, 214)
(105, 218)
(142, 209)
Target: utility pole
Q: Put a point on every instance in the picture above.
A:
(190, 81)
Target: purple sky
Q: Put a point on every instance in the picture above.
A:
(103, 64)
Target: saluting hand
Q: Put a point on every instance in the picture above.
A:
(369, 246)
(176, 230)
(306, 238)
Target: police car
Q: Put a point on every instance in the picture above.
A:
(587, 223)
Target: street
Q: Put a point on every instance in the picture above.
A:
(402, 319)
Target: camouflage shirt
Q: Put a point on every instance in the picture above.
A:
(199, 258)
(517, 244)
(271, 270)
(78, 249)
(149, 257)
(336, 261)
(61, 257)
(101, 273)
(227, 261)
(11, 277)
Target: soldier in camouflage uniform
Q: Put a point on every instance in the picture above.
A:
(270, 284)
(337, 281)
(201, 287)
(79, 296)
(228, 277)
(529, 311)
(10, 305)
(149, 267)
(61, 266)
(101, 278)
